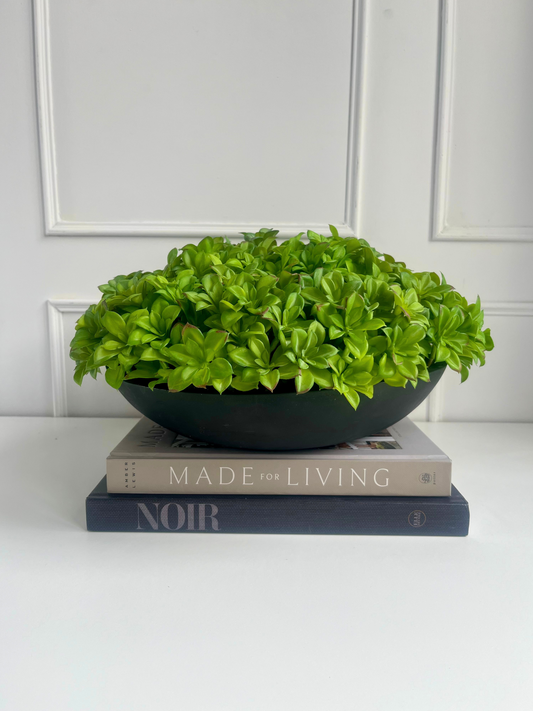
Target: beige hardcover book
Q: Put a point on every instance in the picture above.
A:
(399, 461)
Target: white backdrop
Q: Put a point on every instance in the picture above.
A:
(131, 126)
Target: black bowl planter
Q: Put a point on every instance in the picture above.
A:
(277, 421)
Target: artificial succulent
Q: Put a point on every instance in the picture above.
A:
(329, 312)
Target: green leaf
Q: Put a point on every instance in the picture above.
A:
(221, 384)
(387, 369)
(357, 344)
(372, 325)
(353, 398)
(192, 334)
(115, 376)
(201, 378)
(258, 349)
(442, 353)
(413, 334)
(102, 355)
(335, 332)
(178, 354)
(115, 324)
(230, 318)
(180, 378)
(221, 369)
(314, 295)
(250, 375)
(150, 354)
(244, 386)
(215, 340)
(304, 381)
(397, 380)
(79, 373)
(171, 313)
(288, 372)
(128, 361)
(243, 357)
(489, 343)
(270, 380)
(195, 351)
(112, 345)
(356, 379)
(298, 339)
(322, 378)
(365, 365)
(453, 361)
(141, 373)
(175, 333)
(135, 337)
(82, 338)
(408, 369)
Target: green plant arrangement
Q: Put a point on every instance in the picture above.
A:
(328, 312)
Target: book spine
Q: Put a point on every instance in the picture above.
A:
(279, 514)
(291, 477)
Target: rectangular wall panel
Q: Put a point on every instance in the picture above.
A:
(177, 117)
(484, 166)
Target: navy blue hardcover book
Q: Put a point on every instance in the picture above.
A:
(341, 515)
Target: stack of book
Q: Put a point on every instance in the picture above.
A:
(396, 482)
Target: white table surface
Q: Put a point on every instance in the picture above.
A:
(113, 621)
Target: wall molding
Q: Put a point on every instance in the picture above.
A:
(55, 225)
(45, 113)
(58, 361)
(435, 407)
(353, 157)
(441, 230)
(508, 308)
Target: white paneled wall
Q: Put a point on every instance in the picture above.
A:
(130, 127)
